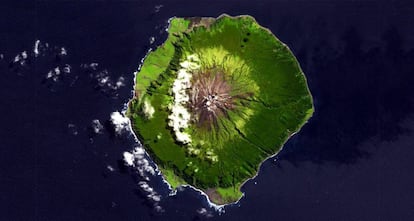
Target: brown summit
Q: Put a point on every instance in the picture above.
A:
(210, 98)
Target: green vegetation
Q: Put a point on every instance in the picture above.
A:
(230, 194)
(158, 61)
(259, 99)
(172, 179)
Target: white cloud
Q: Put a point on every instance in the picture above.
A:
(97, 126)
(53, 74)
(119, 122)
(148, 109)
(129, 158)
(21, 58)
(139, 161)
(36, 48)
(139, 151)
(180, 117)
(203, 211)
(92, 66)
(120, 82)
(152, 40)
(73, 129)
(17, 58)
(152, 195)
(57, 70)
(104, 81)
(63, 51)
(157, 8)
(24, 55)
(67, 69)
(143, 166)
(110, 168)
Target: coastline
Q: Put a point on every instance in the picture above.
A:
(173, 191)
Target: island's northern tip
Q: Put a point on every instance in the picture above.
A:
(215, 100)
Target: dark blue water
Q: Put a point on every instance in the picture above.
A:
(352, 161)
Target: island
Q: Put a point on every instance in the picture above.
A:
(215, 100)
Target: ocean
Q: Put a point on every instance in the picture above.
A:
(67, 70)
